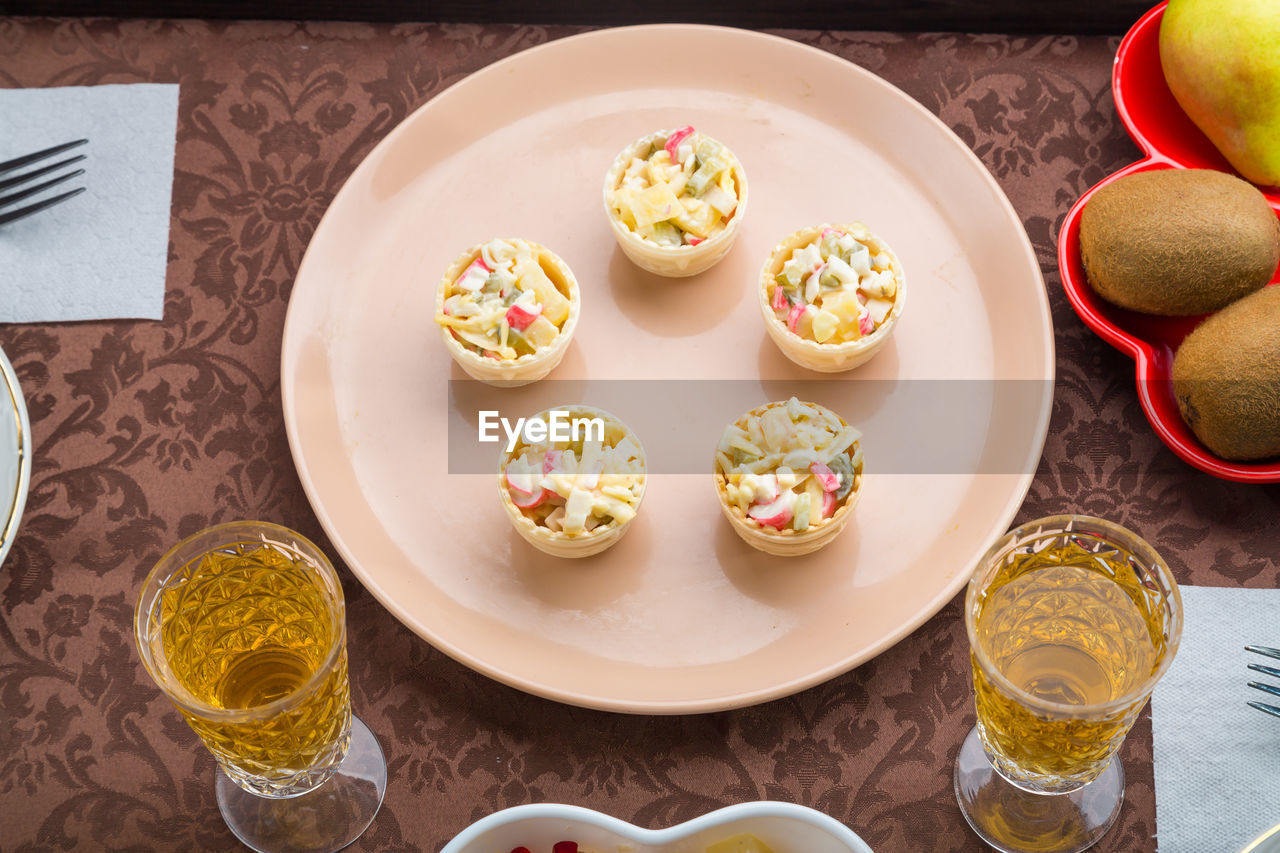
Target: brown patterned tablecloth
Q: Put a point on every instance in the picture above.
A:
(146, 431)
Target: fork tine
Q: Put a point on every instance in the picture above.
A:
(15, 215)
(13, 198)
(19, 180)
(1266, 670)
(19, 162)
(1265, 688)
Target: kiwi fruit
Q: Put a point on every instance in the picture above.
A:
(1178, 241)
(1226, 378)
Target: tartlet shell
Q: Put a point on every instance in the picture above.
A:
(788, 542)
(559, 544)
(827, 358)
(662, 260)
(527, 368)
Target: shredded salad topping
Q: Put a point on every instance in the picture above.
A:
(678, 193)
(834, 290)
(504, 305)
(575, 486)
(789, 466)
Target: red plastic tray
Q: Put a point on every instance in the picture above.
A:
(1170, 141)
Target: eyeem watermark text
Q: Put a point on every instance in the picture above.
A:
(557, 426)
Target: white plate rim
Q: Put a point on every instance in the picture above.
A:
(17, 499)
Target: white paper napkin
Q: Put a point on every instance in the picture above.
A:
(1217, 761)
(101, 255)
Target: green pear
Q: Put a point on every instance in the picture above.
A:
(1221, 59)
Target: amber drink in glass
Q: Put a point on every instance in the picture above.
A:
(1071, 622)
(243, 627)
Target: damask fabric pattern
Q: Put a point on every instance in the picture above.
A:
(145, 432)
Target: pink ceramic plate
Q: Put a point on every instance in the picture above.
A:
(1171, 141)
(680, 616)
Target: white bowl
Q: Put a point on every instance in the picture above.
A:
(785, 827)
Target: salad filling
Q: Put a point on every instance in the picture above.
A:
(790, 466)
(677, 193)
(504, 305)
(744, 843)
(575, 487)
(836, 289)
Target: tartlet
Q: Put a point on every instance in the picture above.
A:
(831, 295)
(788, 475)
(675, 199)
(577, 497)
(507, 310)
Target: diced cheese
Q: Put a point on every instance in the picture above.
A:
(576, 509)
(860, 260)
(804, 259)
(555, 519)
(880, 283)
(879, 309)
(786, 477)
(473, 279)
(541, 332)
(812, 285)
(824, 325)
(846, 307)
(776, 425)
(555, 306)
(800, 513)
(655, 204)
(842, 271)
(721, 201)
(619, 510)
(619, 492)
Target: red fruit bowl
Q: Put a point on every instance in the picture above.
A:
(1171, 141)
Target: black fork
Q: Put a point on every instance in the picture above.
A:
(1265, 670)
(10, 182)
